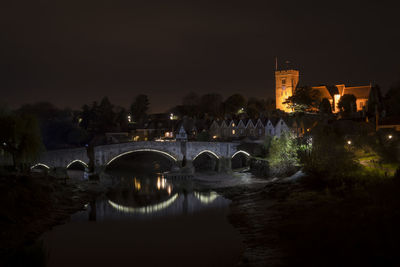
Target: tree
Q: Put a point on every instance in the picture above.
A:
(325, 107)
(347, 105)
(190, 104)
(392, 100)
(105, 116)
(283, 158)
(234, 104)
(211, 104)
(20, 136)
(304, 99)
(139, 108)
(255, 106)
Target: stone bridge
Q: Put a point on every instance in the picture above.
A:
(175, 151)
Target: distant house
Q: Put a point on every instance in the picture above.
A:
(181, 135)
(250, 129)
(269, 127)
(241, 128)
(232, 129)
(215, 129)
(281, 127)
(224, 129)
(259, 129)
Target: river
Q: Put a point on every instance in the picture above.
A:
(147, 220)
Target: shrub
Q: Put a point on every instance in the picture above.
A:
(283, 158)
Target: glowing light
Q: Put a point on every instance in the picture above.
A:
(205, 151)
(241, 151)
(4, 144)
(40, 165)
(137, 184)
(142, 150)
(171, 116)
(233, 131)
(77, 160)
(214, 137)
(169, 190)
(390, 136)
(158, 183)
(206, 198)
(129, 118)
(349, 142)
(146, 209)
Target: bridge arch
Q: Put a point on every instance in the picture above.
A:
(77, 161)
(37, 165)
(206, 151)
(206, 160)
(240, 159)
(142, 150)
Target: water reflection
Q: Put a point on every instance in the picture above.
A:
(145, 196)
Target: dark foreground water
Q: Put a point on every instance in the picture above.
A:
(147, 220)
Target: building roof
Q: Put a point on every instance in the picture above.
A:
(358, 91)
(323, 91)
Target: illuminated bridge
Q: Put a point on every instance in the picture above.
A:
(177, 152)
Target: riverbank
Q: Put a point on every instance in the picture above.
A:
(34, 204)
(286, 223)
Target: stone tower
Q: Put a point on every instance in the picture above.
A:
(285, 84)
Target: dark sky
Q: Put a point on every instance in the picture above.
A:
(73, 52)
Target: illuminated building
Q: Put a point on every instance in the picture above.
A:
(286, 82)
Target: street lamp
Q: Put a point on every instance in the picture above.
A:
(349, 142)
(129, 118)
(390, 136)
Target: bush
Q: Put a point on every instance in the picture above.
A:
(283, 158)
(329, 161)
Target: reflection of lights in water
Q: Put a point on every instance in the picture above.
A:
(206, 198)
(137, 184)
(158, 183)
(161, 183)
(169, 190)
(146, 209)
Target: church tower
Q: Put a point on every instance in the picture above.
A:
(285, 84)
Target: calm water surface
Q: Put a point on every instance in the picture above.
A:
(147, 220)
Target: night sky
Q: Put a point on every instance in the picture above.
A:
(74, 52)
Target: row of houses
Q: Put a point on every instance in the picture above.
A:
(162, 128)
(255, 129)
(250, 128)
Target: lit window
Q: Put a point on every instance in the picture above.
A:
(233, 131)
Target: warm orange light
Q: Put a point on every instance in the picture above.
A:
(349, 142)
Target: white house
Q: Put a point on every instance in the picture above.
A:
(281, 127)
(181, 135)
(269, 128)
